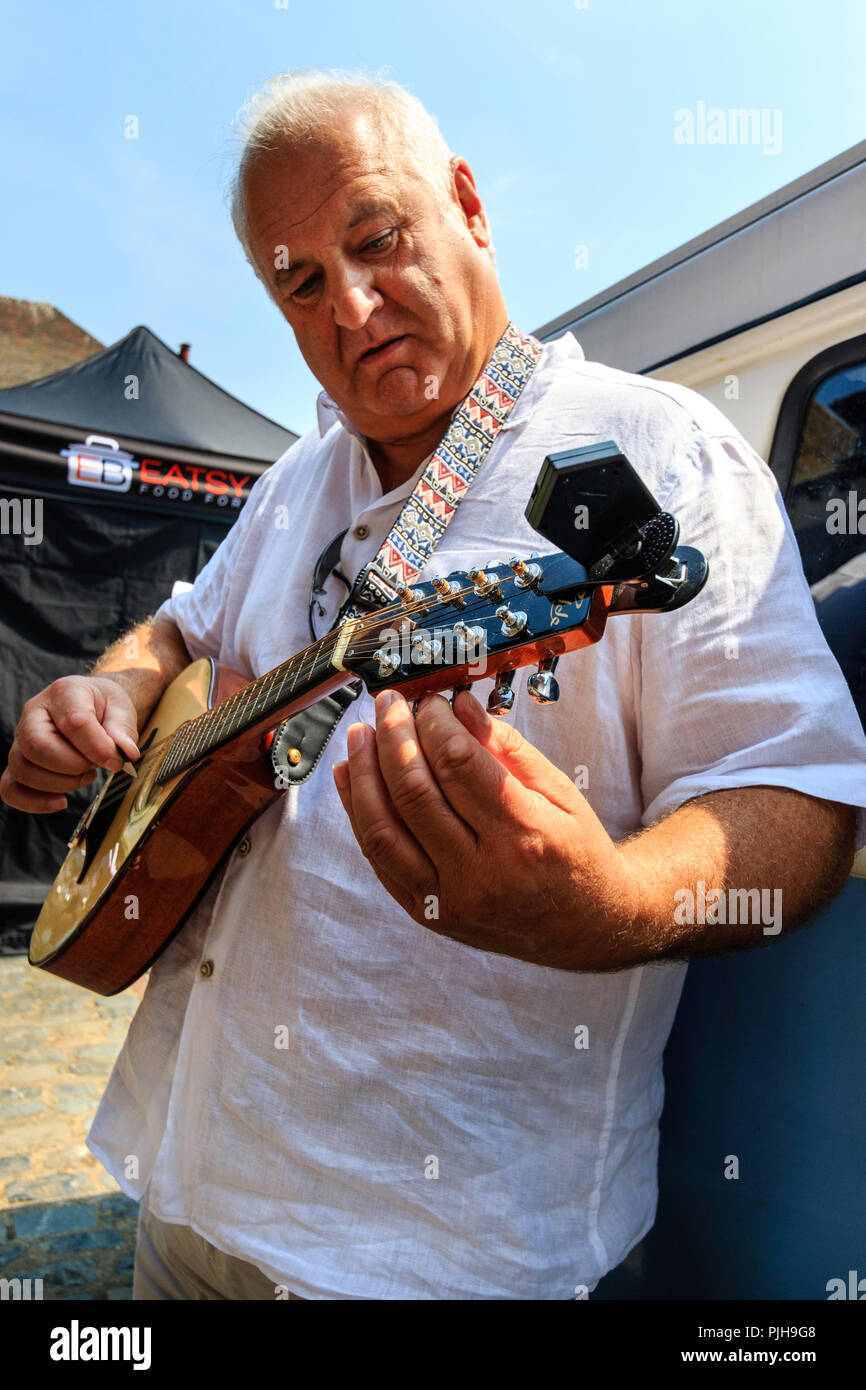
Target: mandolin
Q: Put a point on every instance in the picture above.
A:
(148, 845)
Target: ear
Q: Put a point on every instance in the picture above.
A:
(467, 197)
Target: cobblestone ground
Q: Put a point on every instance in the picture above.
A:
(62, 1218)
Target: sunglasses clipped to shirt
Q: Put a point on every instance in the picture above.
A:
(327, 565)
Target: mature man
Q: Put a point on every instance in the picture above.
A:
(432, 1130)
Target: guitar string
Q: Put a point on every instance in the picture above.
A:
(241, 703)
(296, 663)
(210, 720)
(361, 644)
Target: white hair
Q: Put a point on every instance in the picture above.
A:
(295, 107)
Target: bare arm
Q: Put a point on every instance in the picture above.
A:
(80, 723)
(481, 838)
(144, 662)
(769, 857)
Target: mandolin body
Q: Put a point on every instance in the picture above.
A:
(123, 891)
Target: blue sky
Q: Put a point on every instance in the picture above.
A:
(566, 112)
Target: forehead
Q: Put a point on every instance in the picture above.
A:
(340, 175)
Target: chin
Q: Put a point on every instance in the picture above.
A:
(395, 395)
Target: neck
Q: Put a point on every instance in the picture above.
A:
(396, 460)
(285, 690)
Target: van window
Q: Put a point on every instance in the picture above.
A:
(826, 501)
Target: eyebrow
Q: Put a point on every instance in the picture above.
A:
(370, 208)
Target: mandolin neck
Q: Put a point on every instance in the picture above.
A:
(267, 700)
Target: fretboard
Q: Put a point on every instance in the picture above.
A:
(264, 697)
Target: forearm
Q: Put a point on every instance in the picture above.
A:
(144, 661)
(734, 869)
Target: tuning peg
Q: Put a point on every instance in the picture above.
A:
(512, 623)
(501, 698)
(469, 637)
(542, 686)
(388, 661)
(426, 650)
(527, 574)
(456, 691)
(484, 586)
(448, 591)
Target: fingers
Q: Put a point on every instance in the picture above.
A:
(381, 833)
(418, 790)
(65, 733)
(429, 793)
(30, 774)
(530, 767)
(61, 730)
(476, 785)
(77, 709)
(23, 798)
(404, 896)
(119, 718)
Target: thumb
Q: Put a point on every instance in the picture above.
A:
(519, 757)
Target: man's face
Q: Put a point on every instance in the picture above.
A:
(388, 294)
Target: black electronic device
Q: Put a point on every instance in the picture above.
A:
(592, 504)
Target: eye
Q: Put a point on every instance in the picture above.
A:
(306, 287)
(383, 241)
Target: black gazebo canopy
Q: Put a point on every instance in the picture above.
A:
(118, 477)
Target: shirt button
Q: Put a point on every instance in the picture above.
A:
(361, 533)
(245, 846)
(206, 968)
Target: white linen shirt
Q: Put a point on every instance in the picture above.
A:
(433, 1129)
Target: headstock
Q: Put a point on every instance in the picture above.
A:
(621, 557)
(488, 622)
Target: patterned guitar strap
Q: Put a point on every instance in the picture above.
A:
(299, 742)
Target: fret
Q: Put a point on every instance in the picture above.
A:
(197, 735)
(266, 694)
(244, 700)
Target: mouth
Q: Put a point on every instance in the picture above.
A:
(381, 350)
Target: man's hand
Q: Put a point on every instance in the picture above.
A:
(481, 838)
(64, 734)
(80, 723)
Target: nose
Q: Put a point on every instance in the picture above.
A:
(355, 299)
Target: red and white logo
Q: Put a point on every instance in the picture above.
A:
(99, 462)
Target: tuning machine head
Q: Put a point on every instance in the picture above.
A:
(501, 698)
(485, 585)
(542, 686)
(469, 639)
(526, 573)
(449, 591)
(389, 662)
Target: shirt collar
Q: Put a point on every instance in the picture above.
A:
(326, 410)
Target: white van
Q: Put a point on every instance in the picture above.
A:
(765, 315)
